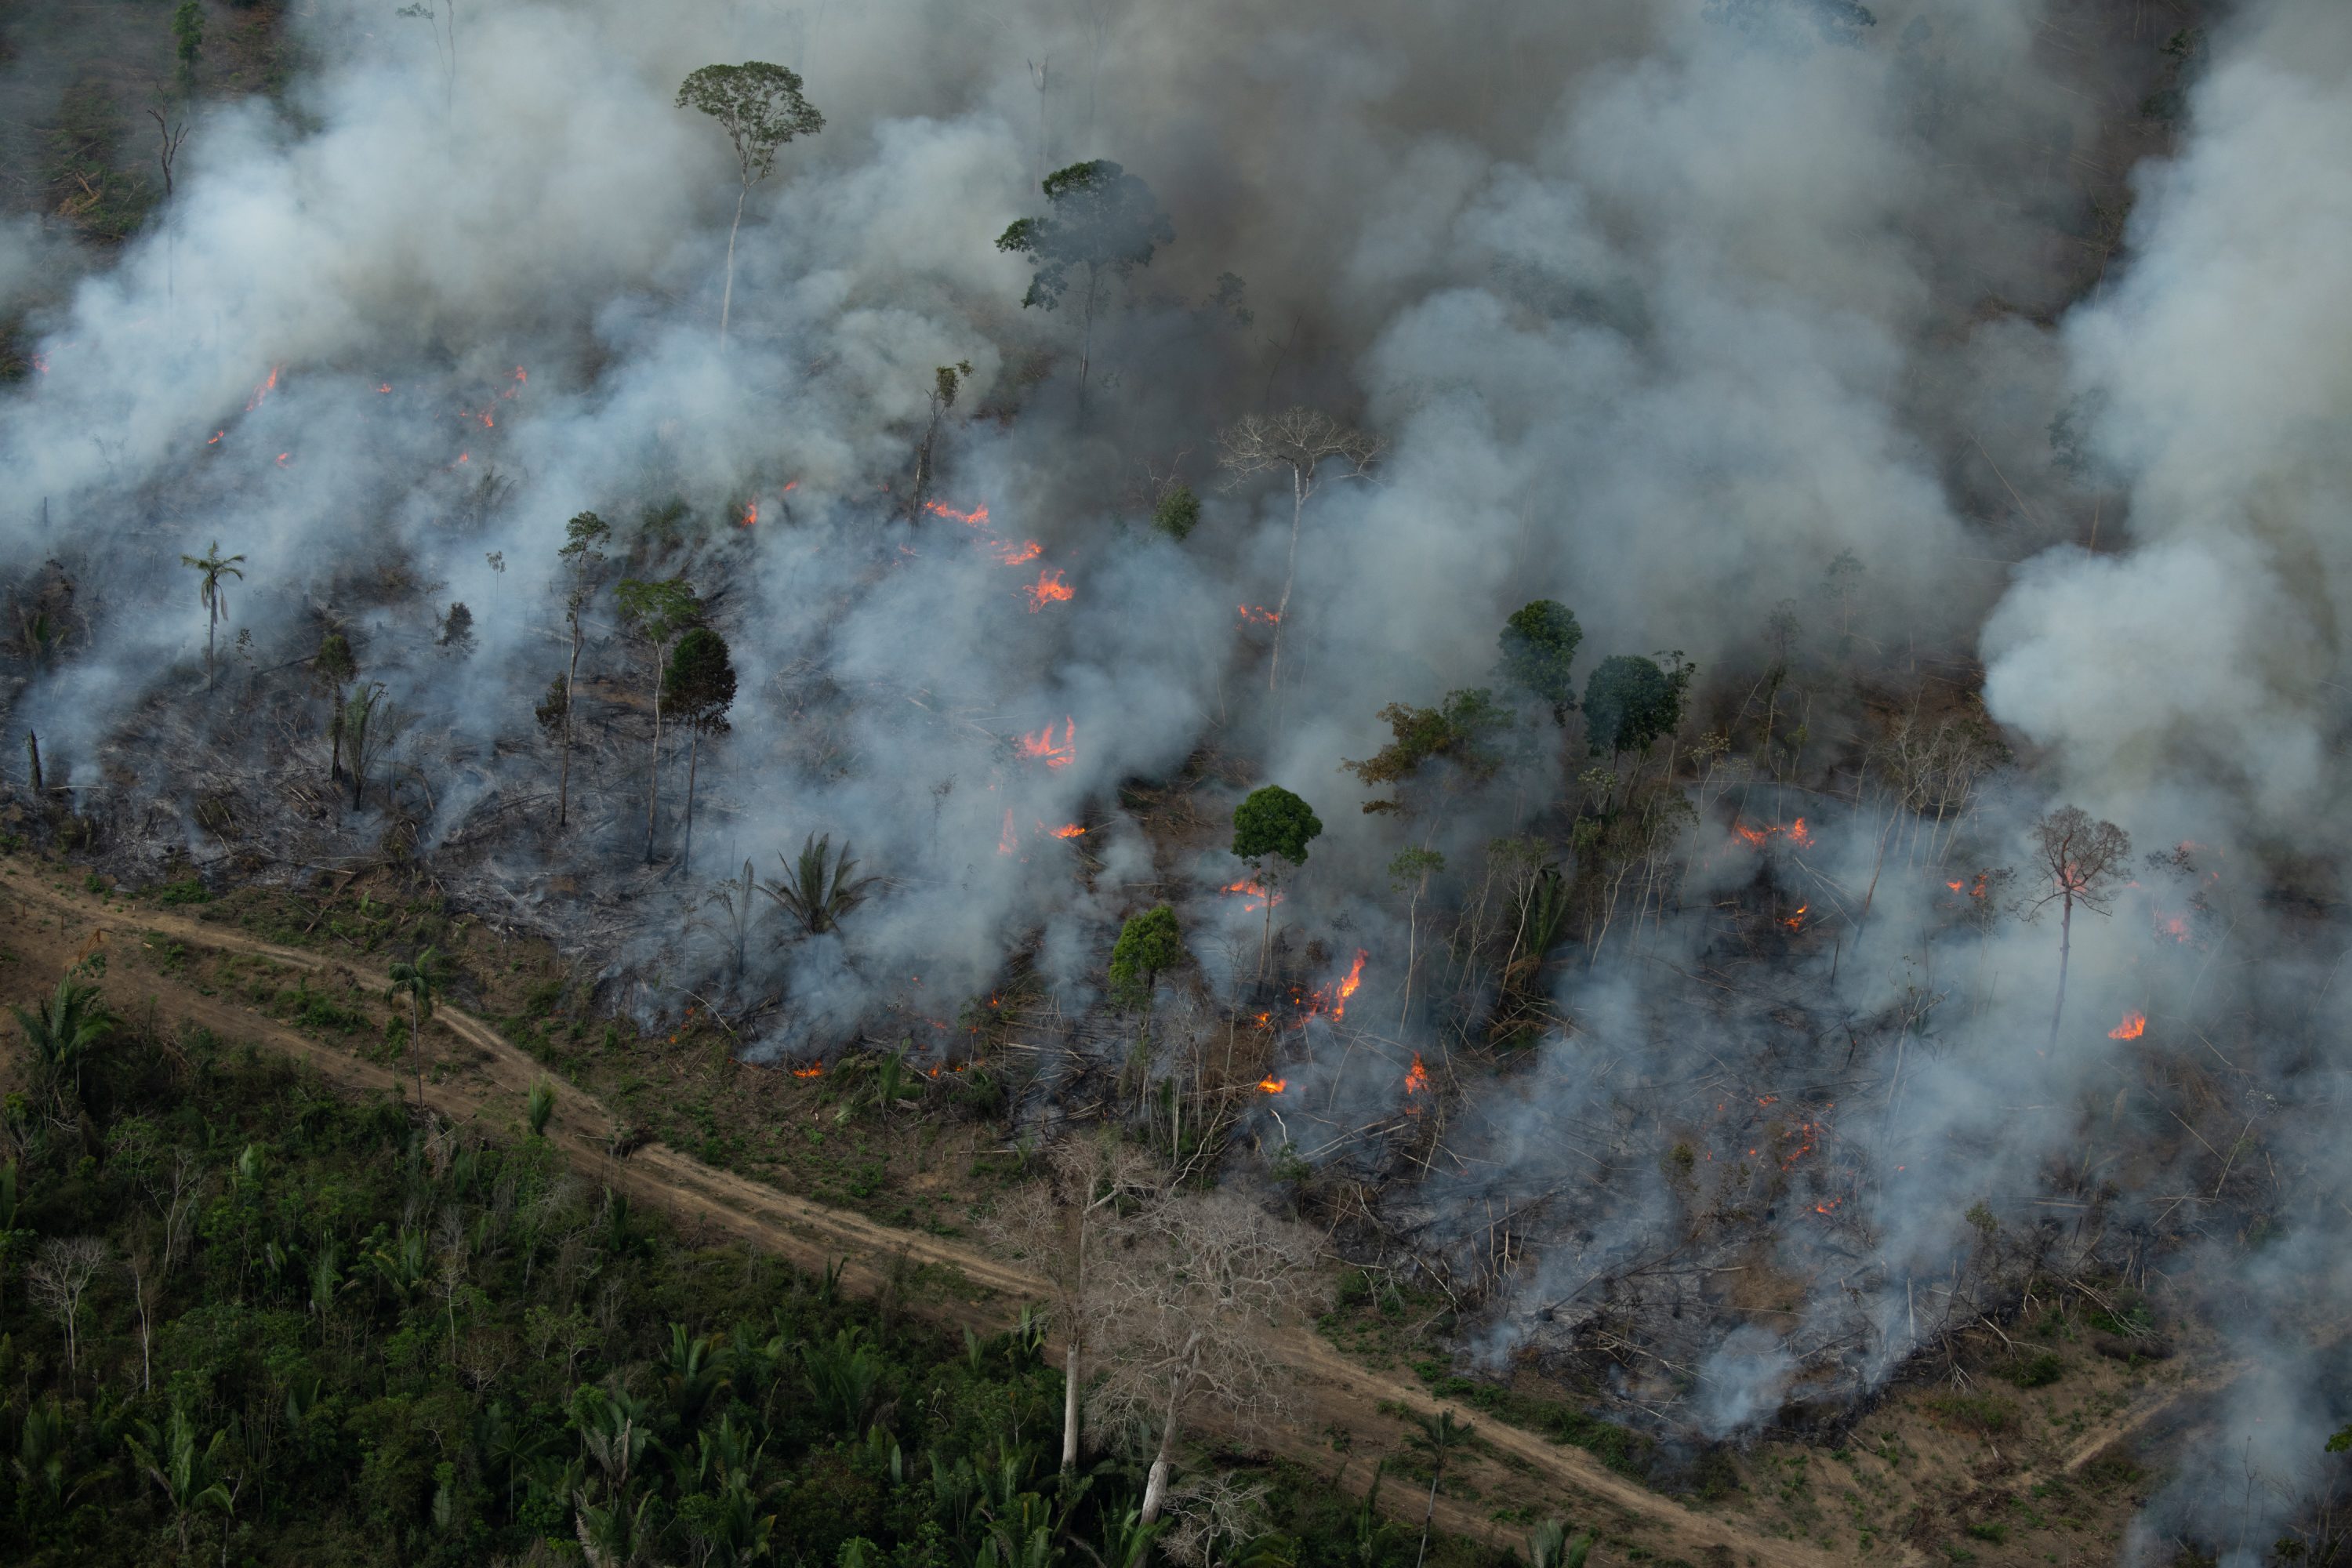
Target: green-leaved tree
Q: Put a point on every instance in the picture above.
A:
(659, 614)
(760, 108)
(1100, 221)
(211, 567)
(580, 560)
(698, 689)
(422, 980)
(1272, 829)
(1539, 644)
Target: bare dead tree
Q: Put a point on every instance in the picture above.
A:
(1187, 1310)
(1303, 442)
(59, 1278)
(1213, 1515)
(2081, 861)
(1060, 1225)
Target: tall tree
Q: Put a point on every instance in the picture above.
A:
(659, 614)
(1272, 829)
(581, 561)
(422, 980)
(1099, 220)
(371, 723)
(1631, 702)
(2081, 861)
(700, 689)
(1188, 1310)
(332, 668)
(63, 1034)
(1303, 443)
(1148, 945)
(760, 108)
(1060, 1226)
(947, 381)
(210, 568)
(1539, 646)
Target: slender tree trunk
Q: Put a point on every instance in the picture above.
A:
(653, 792)
(1411, 949)
(1155, 1485)
(417, 1043)
(1087, 340)
(1265, 943)
(1290, 577)
(335, 738)
(212, 620)
(570, 699)
(1070, 1402)
(693, 760)
(1429, 1516)
(727, 299)
(2065, 950)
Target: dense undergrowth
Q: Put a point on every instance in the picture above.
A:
(247, 1321)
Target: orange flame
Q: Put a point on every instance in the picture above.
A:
(1249, 888)
(1797, 920)
(791, 485)
(1052, 588)
(261, 394)
(520, 376)
(1041, 744)
(1416, 1077)
(1799, 837)
(815, 1069)
(976, 518)
(1069, 830)
(1257, 615)
(282, 456)
(216, 439)
(1028, 550)
(385, 387)
(1958, 887)
(1273, 1085)
(751, 515)
(2174, 926)
(2134, 1026)
(1346, 988)
(1755, 837)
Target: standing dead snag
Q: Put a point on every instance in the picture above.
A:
(1059, 1227)
(1188, 1312)
(582, 555)
(1301, 441)
(2081, 861)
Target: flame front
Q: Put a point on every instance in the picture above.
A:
(261, 394)
(1069, 830)
(1273, 1085)
(1248, 888)
(1756, 837)
(1020, 554)
(1052, 588)
(751, 515)
(1797, 920)
(1258, 615)
(1416, 1077)
(1040, 745)
(2134, 1026)
(815, 1069)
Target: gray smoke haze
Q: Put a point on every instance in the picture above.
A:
(1662, 309)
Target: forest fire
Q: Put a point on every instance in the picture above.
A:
(261, 394)
(1010, 555)
(1042, 746)
(1757, 837)
(1052, 588)
(1273, 1085)
(1796, 921)
(976, 518)
(815, 1069)
(1335, 998)
(1069, 830)
(2134, 1026)
(751, 515)
(1256, 616)
(1416, 1081)
(1247, 889)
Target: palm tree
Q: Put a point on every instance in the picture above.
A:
(64, 1031)
(1550, 1547)
(1438, 1434)
(211, 567)
(420, 979)
(189, 1479)
(817, 895)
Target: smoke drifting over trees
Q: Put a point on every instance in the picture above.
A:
(1958, 383)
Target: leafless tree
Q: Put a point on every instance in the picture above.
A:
(60, 1277)
(1061, 1225)
(2081, 861)
(1307, 443)
(142, 1287)
(1190, 1305)
(1213, 1515)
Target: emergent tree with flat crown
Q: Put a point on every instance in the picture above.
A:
(760, 108)
(1099, 219)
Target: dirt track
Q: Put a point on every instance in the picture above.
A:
(51, 926)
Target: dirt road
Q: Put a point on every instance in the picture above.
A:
(1345, 1415)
